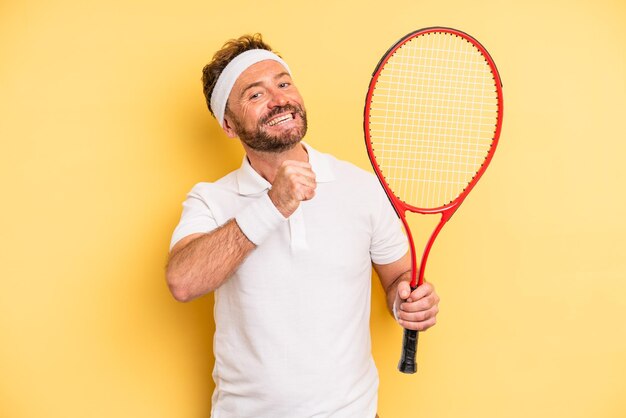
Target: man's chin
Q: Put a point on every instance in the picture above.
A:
(282, 145)
(283, 142)
(270, 144)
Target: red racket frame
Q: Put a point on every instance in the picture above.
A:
(447, 210)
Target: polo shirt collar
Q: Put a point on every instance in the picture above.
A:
(250, 182)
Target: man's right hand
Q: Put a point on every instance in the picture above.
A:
(294, 183)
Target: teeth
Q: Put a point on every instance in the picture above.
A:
(280, 119)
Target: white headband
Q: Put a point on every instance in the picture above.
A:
(231, 73)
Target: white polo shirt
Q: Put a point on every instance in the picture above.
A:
(292, 324)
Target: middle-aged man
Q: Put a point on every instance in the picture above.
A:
(287, 242)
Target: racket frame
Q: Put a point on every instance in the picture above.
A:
(407, 363)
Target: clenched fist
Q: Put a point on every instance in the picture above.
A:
(294, 183)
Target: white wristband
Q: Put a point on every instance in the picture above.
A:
(259, 219)
(395, 311)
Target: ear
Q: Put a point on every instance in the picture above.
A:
(228, 128)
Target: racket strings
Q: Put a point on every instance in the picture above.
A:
(432, 118)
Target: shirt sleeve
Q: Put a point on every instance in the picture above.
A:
(389, 243)
(197, 217)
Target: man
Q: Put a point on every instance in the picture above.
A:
(287, 243)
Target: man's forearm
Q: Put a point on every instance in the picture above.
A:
(205, 263)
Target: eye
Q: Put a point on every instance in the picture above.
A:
(255, 96)
(284, 85)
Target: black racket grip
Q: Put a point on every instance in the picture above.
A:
(407, 362)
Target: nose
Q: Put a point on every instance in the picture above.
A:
(278, 98)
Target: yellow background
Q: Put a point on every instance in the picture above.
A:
(104, 130)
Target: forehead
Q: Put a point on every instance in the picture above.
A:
(261, 71)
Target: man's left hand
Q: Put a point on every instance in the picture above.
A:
(416, 310)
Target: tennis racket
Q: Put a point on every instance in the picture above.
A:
(433, 116)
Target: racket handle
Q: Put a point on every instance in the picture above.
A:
(407, 362)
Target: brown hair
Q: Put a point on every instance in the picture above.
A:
(232, 48)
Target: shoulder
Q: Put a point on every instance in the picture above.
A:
(348, 172)
(225, 185)
(341, 169)
(220, 198)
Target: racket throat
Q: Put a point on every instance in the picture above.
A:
(445, 216)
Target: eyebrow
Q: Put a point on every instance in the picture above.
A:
(258, 83)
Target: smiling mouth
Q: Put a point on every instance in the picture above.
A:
(280, 119)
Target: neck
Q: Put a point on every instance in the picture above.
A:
(268, 163)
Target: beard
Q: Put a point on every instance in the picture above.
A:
(259, 139)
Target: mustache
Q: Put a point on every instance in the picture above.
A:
(282, 109)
